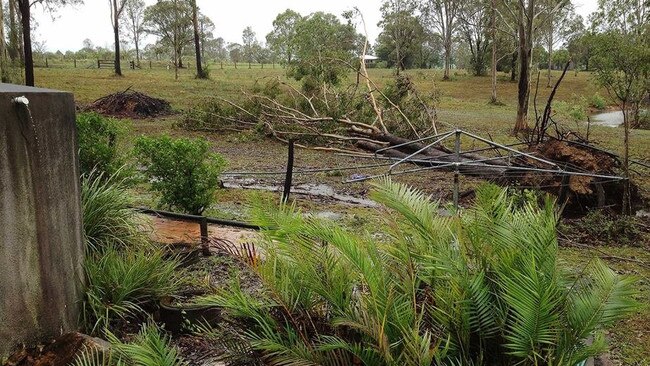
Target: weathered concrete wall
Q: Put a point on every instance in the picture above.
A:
(41, 247)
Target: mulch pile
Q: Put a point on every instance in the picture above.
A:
(131, 104)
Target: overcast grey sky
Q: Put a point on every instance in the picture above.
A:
(74, 24)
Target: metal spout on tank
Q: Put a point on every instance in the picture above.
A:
(21, 100)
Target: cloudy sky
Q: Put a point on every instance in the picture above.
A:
(72, 25)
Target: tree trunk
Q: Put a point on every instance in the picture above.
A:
(550, 58)
(627, 205)
(25, 18)
(525, 49)
(116, 33)
(3, 64)
(447, 60)
(13, 32)
(197, 42)
(493, 98)
(137, 52)
(20, 48)
(513, 66)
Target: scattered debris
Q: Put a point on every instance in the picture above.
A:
(60, 352)
(131, 104)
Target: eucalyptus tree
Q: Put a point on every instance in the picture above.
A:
(324, 47)
(171, 22)
(24, 8)
(402, 33)
(621, 59)
(117, 8)
(474, 26)
(442, 17)
(624, 16)
(558, 20)
(13, 34)
(197, 41)
(281, 40)
(134, 24)
(249, 45)
(206, 33)
(235, 53)
(528, 15)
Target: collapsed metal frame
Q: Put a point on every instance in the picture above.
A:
(553, 167)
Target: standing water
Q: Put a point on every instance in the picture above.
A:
(608, 119)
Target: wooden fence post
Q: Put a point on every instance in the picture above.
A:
(204, 237)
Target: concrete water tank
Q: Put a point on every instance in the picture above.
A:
(41, 247)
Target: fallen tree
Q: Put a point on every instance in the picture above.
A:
(401, 124)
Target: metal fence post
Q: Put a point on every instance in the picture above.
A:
(289, 175)
(457, 169)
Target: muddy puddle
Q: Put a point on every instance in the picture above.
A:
(168, 231)
(608, 119)
(314, 190)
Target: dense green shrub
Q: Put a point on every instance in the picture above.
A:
(182, 170)
(576, 111)
(108, 219)
(598, 102)
(98, 148)
(481, 288)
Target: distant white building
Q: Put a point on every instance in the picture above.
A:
(369, 59)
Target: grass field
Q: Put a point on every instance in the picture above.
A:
(463, 104)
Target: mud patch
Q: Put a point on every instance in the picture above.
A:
(168, 231)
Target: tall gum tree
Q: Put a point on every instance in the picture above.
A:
(402, 34)
(134, 18)
(24, 8)
(442, 17)
(528, 15)
(117, 7)
(200, 74)
(281, 40)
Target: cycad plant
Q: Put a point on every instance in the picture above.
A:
(480, 288)
(150, 347)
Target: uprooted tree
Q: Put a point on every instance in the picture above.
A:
(363, 119)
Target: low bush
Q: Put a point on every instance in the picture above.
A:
(182, 170)
(575, 111)
(120, 283)
(597, 101)
(98, 145)
(482, 288)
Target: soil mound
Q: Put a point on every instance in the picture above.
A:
(131, 104)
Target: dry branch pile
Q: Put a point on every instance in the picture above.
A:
(366, 122)
(131, 104)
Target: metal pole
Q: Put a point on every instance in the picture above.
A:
(457, 170)
(289, 175)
